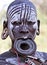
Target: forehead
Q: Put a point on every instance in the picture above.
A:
(20, 12)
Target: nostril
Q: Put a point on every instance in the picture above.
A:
(24, 30)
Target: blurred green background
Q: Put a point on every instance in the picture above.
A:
(41, 40)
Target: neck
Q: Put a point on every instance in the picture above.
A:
(12, 44)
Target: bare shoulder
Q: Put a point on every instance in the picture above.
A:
(41, 55)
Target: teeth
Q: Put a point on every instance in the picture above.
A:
(25, 37)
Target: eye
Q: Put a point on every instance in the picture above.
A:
(19, 23)
(16, 23)
(31, 23)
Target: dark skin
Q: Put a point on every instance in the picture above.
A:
(19, 29)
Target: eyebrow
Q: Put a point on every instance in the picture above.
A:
(31, 21)
(15, 21)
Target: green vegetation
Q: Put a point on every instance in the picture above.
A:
(41, 40)
(4, 44)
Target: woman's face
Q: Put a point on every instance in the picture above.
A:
(22, 29)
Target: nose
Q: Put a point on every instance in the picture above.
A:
(24, 29)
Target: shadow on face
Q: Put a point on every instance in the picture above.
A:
(23, 25)
(20, 29)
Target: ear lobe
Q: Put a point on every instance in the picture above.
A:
(5, 24)
(5, 30)
(4, 34)
(38, 23)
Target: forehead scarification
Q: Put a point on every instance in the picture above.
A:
(21, 11)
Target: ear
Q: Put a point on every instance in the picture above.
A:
(38, 23)
(4, 34)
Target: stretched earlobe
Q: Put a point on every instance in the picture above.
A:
(5, 24)
(4, 34)
(38, 23)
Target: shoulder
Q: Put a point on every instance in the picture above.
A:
(7, 54)
(41, 55)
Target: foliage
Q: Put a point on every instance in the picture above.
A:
(43, 7)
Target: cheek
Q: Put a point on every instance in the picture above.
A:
(35, 26)
(15, 31)
(32, 31)
(10, 27)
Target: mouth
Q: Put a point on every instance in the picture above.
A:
(25, 46)
(23, 36)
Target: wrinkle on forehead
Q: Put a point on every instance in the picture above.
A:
(16, 17)
(24, 12)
